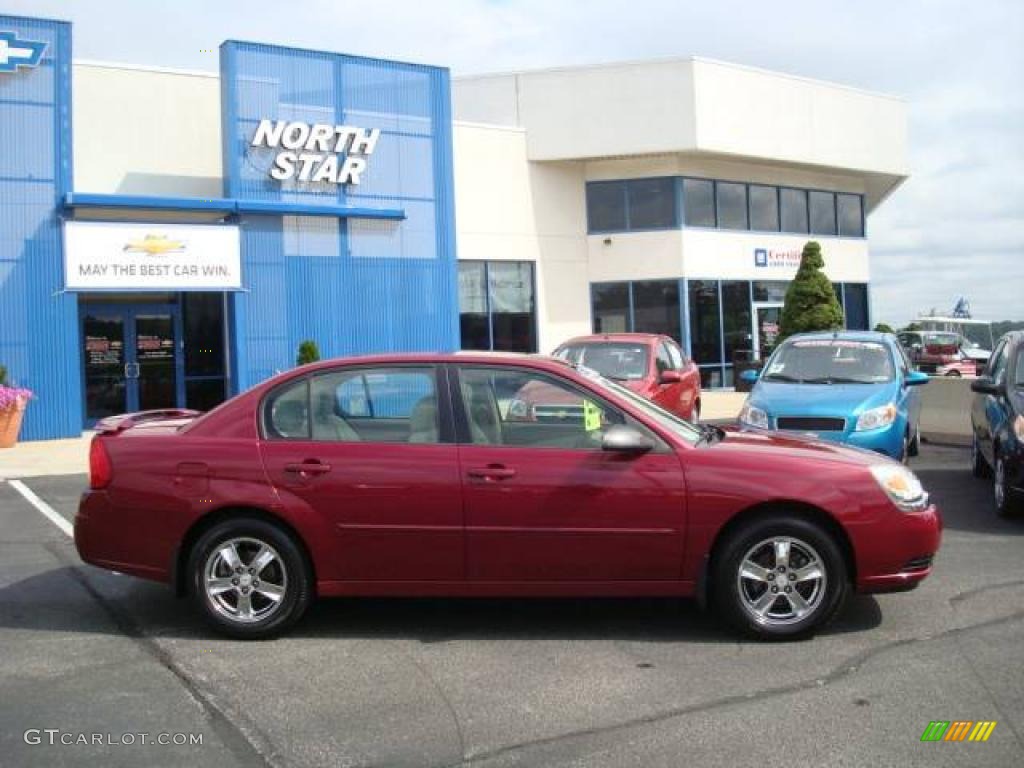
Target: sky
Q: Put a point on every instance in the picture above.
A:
(956, 227)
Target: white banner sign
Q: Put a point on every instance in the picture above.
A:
(151, 257)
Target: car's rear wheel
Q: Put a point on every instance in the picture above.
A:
(779, 577)
(249, 578)
(979, 467)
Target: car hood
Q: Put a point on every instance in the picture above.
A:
(820, 399)
(776, 445)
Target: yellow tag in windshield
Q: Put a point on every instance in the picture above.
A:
(591, 416)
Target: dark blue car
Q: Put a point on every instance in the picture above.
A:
(997, 419)
(853, 387)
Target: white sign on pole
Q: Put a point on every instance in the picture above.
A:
(101, 255)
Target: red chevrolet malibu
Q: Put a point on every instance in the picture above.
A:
(649, 364)
(410, 475)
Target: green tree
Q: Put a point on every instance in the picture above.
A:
(811, 303)
(3, 376)
(884, 328)
(309, 352)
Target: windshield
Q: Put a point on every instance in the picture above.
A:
(830, 361)
(622, 361)
(942, 339)
(677, 426)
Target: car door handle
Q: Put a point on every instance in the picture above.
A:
(491, 473)
(306, 468)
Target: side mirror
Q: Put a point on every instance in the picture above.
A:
(916, 379)
(670, 377)
(986, 386)
(622, 438)
(750, 375)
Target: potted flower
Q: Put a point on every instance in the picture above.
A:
(12, 407)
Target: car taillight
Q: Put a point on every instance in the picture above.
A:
(100, 470)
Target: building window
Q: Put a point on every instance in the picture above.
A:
(851, 215)
(705, 325)
(610, 303)
(732, 205)
(606, 206)
(793, 210)
(474, 323)
(823, 213)
(764, 208)
(855, 306)
(634, 204)
(656, 308)
(652, 203)
(770, 290)
(736, 316)
(699, 202)
(497, 306)
(513, 314)
(202, 320)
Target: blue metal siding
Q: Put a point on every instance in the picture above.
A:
(353, 285)
(38, 323)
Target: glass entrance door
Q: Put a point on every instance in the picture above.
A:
(767, 318)
(131, 358)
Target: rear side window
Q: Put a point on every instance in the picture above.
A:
(286, 412)
(376, 405)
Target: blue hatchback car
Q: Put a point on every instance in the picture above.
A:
(853, 387)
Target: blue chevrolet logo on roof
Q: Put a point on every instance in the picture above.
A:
(16, 53)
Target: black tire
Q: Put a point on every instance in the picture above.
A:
(737, 609)
(1006, 502)
(914, 447)
(288, 574)
(979, 467)
(953, 374)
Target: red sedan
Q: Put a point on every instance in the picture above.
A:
(409, 475)
(651, 365)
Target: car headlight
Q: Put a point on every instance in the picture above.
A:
(753, 416)
(876, 418)
(1018, 427)
(901, 486)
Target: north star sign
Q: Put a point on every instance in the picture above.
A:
(317, 152)
(16, 53)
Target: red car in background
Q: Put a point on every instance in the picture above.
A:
(938, 353)
(651, 365)
(410, 475)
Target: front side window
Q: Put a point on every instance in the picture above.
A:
(375, 405)
(1018, 376)
(526, 409)
(621, 361)
(997, 363)
(675, 354)
(663, 359)
(830, 361)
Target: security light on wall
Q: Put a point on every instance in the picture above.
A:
(607, 241)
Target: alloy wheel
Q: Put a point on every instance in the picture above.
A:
(781, 580)
(999, 489)
(245, 580)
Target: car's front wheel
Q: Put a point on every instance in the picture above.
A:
(249, 578)
(979, 467)
(1006, 502)
(779, 577)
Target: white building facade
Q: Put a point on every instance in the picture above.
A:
(670, 197)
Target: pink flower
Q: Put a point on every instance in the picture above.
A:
(13, 397)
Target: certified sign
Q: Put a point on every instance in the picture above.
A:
(150, 257)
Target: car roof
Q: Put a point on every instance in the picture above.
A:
(627, 337)
(846, 336)
(435, 358)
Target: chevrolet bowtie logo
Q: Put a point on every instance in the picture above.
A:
(16, 53)
(155, 245)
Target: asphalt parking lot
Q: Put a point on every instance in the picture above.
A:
(510, 682)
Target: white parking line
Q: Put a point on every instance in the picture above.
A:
(42, 506)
